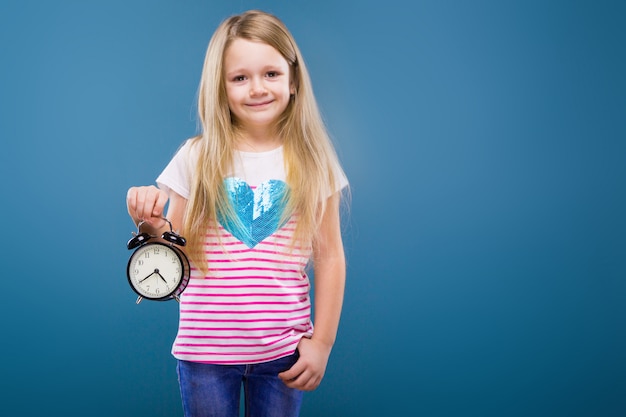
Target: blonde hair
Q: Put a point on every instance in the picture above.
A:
(311, 163)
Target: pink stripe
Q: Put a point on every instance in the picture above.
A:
(252, 286)
(231, 320)
(222, 240)
(222, 345)
(301, 275)
(284, 245)
(251, 270)
(227, 337)
(230, 329)
(302, 264)
(223, 243)
(187, 311)
(279, 236)
(251, 345)
(241, 277)
(241, 303)
(263, 352)
(296, 251)
(200, 280)
(243, 268)
(228, 362)
(249, 295)
(228, 239)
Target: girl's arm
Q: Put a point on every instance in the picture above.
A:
(330, 276)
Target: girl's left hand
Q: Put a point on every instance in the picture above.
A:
(308, 371)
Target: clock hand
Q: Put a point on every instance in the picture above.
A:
(156, 271)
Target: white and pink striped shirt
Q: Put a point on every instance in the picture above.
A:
(254, 305)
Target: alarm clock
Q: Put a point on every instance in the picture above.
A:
(158, 269)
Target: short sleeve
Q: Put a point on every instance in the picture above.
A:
(341, 181)
(177, 174)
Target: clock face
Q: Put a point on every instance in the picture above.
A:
(155, 270)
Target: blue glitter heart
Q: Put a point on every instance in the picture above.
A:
(258, 212)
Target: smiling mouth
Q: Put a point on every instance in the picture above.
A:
(259, 104)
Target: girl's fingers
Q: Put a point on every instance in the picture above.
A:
(145, 203)
(159, 207)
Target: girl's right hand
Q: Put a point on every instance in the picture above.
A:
(147, 204)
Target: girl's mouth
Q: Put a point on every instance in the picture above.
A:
(260, 104)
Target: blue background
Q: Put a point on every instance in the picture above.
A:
(485, 143)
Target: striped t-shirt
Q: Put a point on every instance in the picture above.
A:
(254, 304)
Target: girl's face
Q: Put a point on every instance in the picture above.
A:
(258, 84)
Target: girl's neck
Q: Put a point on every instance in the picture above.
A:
(259, 141)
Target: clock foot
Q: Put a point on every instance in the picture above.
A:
(139, 299)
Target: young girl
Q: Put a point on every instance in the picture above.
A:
(257, 196)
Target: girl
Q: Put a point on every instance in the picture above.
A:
(257, 196)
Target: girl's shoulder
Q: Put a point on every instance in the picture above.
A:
(187, 152)
(190, 146)
(179, 171)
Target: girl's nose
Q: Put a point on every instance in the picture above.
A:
(257, 89)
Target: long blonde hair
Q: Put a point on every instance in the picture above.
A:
(311, 163)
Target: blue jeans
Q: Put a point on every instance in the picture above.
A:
(214, 390)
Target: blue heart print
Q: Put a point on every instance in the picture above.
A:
(258, 212)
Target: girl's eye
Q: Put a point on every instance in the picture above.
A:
(272, 74)
(239, 78)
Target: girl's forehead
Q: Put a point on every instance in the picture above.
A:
(241, 46)
(244, 52)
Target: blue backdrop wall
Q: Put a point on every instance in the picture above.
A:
(485, 142)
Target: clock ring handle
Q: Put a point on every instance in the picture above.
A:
(140, 237)
(172, 237)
